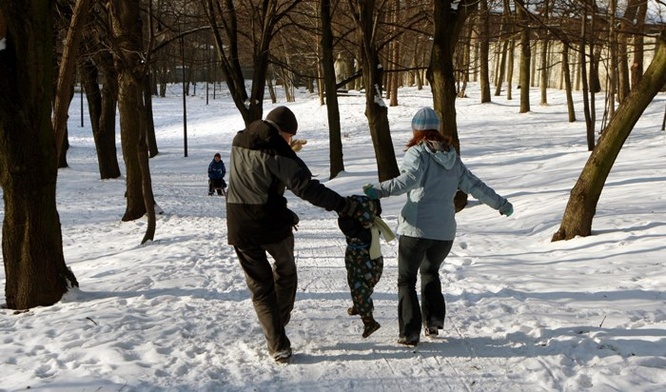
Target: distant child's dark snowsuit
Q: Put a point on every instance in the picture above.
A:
(216, 172)
(363, 271)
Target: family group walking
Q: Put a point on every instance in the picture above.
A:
(263, 165)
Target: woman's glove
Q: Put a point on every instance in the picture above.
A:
(506, 209)
(371, 191)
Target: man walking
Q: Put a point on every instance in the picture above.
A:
(262, 166)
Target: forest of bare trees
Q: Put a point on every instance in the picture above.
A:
(123, 54)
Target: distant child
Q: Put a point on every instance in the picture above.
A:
(363, 260)
(216, 172)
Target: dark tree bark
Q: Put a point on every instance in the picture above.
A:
(35, 269)
(484, 48)
(506, 37)
(544, 72)
(151, 139)
(332, 108)
(396, 76)
(589, 120)
(65, 82)
(223, 19)
(509, 70)
(375, 110)
(626, 23)
(502, 68)
(581, 208)
(448, 25)
(567, 81)
(525, 57)
(102, 110)
(639, 44)
(128, 48)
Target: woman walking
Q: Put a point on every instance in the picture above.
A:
(431, 174)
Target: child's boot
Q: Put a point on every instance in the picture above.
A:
(369, 325)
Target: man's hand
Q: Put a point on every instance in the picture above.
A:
(297, 144)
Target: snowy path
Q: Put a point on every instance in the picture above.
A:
(200, 327)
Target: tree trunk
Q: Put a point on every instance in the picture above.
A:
(465, 62)
(581, 208)
(589, 122)
(502, 68)
(639, 45)
(507, 36)
(102, 110)
(448, 26)
(613, 68)
(623, 81)
(226, 34)
(128, 49)
(375, 109)
(35, 269)
(509, 71)
(146, 181)
(332, 108)
(484, 42)
(544, 72)
(525, 56)
(64, 89)
(151, 139)
(567, 81)
(395, 76)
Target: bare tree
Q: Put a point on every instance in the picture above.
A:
(484, 48)
(544, 41)
(525, 56)
(102, 102)
(449, 21)
(588, 104)
(566, 74)
(581, 208)
(35, 269)
(365, 15)
(127, 41)
(332, 108)
(506, 38)
(256, 24)
(65, 81)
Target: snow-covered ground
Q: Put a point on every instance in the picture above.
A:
(524, 314)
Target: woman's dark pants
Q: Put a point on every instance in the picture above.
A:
(426, 255)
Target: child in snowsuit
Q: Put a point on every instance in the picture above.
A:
(363, 260)
(216, 172)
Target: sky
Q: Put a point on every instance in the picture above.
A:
(523, 313)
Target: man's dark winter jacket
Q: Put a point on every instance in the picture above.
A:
(262, 165)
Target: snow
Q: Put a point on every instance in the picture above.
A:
(524, 314)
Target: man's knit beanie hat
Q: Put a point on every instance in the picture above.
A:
(425, 119)
(284, 119)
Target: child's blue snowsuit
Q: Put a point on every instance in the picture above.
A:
(216, 172)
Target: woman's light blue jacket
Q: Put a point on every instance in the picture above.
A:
(431, 177)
